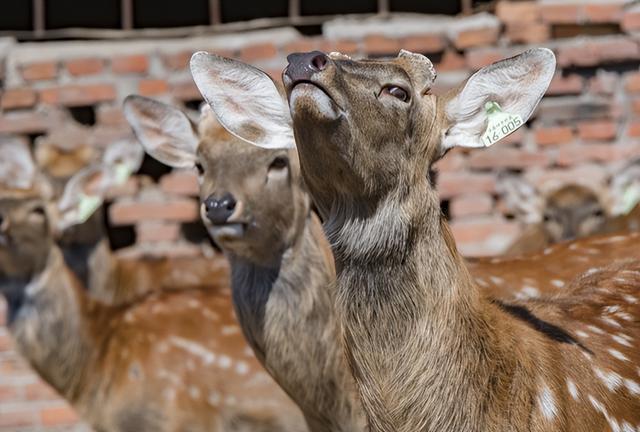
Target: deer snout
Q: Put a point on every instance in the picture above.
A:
(220, 209)
(302, 66)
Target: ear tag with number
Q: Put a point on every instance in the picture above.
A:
(630, 198)
(499, 123)
(121, 173)
(87, 205)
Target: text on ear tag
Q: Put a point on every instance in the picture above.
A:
(87, 206)
(499, 123)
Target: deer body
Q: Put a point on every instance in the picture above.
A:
(428, 351)
(282, 270)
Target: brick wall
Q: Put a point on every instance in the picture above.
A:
(586, 127)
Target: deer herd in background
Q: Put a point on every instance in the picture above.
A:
(371, 321)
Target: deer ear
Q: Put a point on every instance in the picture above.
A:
(122, 159)
(245, 100)
(82, 197)
(497, 99)
(625, 187)
(521, 198)
(17, 167)
(165, 132)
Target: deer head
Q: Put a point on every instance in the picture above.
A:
(251, 198)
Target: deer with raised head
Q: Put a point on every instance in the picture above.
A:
(569, 212)
(282, 271)
(149, 365)
(429, 351)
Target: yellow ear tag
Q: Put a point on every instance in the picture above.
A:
(630, 198)
(87, 205)
(121, 174)
(499, 123)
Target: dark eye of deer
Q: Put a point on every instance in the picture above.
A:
(199, 168)
(38, 210)
(279, 163)
(598, 213)
(397, 92)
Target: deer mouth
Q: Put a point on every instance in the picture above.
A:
(228, 231)
(322, 99)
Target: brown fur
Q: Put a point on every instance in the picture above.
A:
(149, 365)
(429, 352)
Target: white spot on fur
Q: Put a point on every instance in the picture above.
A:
(632, 386)
(611, 380)
(573, 390)
(617, 354)
(582, 334)
(611, 322)
(622, 341)
(169, 394)
(194, 348)
(230, 330)
(224, 362)
(194, 392)
(242, 368)
(594, 329)
(547, 403)
(214, 398)
(630, 299)
(496, 280)
(557, 283)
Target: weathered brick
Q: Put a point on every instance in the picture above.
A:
(344, 46)
(10, 393)
(481, 229)
(500, 157)
(178, 210)
(632, 82)
(302, 45)
(451, 184)
(604, 83)
(379, 45)
(130, 64)
(39, 71)
(12, 419)
(553, 135)
(152, 87)
(176, 61)
(477, 37)
(575, 154)
(40, 391)
(130, 188)
(598, 130)
(78, 94)
(185, 90)
(635, 105)
(57, 416)
(561, 85)
(633, 129)
(456, 160)
(531, 33)
(521, 12)
(180, 183)
(631, 19)
(604, 12)
(563, 13)
(594, 51)
(156, 231)
(18, 98)
(451, 61)
(424, 43)
(84, 66)
(27, 122)
(260, 51)
(110, 115)
(479, 58)
(471, 205)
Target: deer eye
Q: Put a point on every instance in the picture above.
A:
(598, 213)
(199, 168)
(38, 210)
(279, 163)
(547, 218)
(396, 92)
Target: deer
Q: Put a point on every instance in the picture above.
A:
(568, 212)
(147, 365)
(427, 349)
(255, 208)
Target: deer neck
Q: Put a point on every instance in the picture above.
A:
(419, 337)
(49, 325)
(287, 314)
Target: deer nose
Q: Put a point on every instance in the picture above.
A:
(219, 210)
(303, 65)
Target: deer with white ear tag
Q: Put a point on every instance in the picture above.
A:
(429, 351)
(282, 272)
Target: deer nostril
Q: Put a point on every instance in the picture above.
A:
(319, 62)
(219, 210)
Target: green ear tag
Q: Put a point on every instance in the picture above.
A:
(121, 173)
(87, 206)
(499, 123)
(630, 198)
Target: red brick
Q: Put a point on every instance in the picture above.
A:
(86, 66)
(131, 64)
(456, 160)
(28, 122)
(180, 183)
(451, 184)
(57, 416)
(451, 61)
(381, 45)
(482, 229)
(177, 61)
(130, 188)
(39, 71)
(633, 129)
(178, 210)
(185, 91)
(475, 38)
(425, 43)
(260, 51)
(631, 19)
(604, 12)
(18, 418)
(39, 391)
(561, 13)
(18, 98)
(471, 205)
(575, 154)
(109, 115)
(635, 106)
(597, 130)
(532, 33)
(501, 157)
(595, 51)
(154, 232)
(10, 393)
(522, 12)
(479, 58)
(152, 87)
(604, 83)
(554, 135)
(302, 45)
(344, 46)
(561, 85)
(79, 94)
(632, 83)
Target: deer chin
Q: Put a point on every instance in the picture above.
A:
(307, 98)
